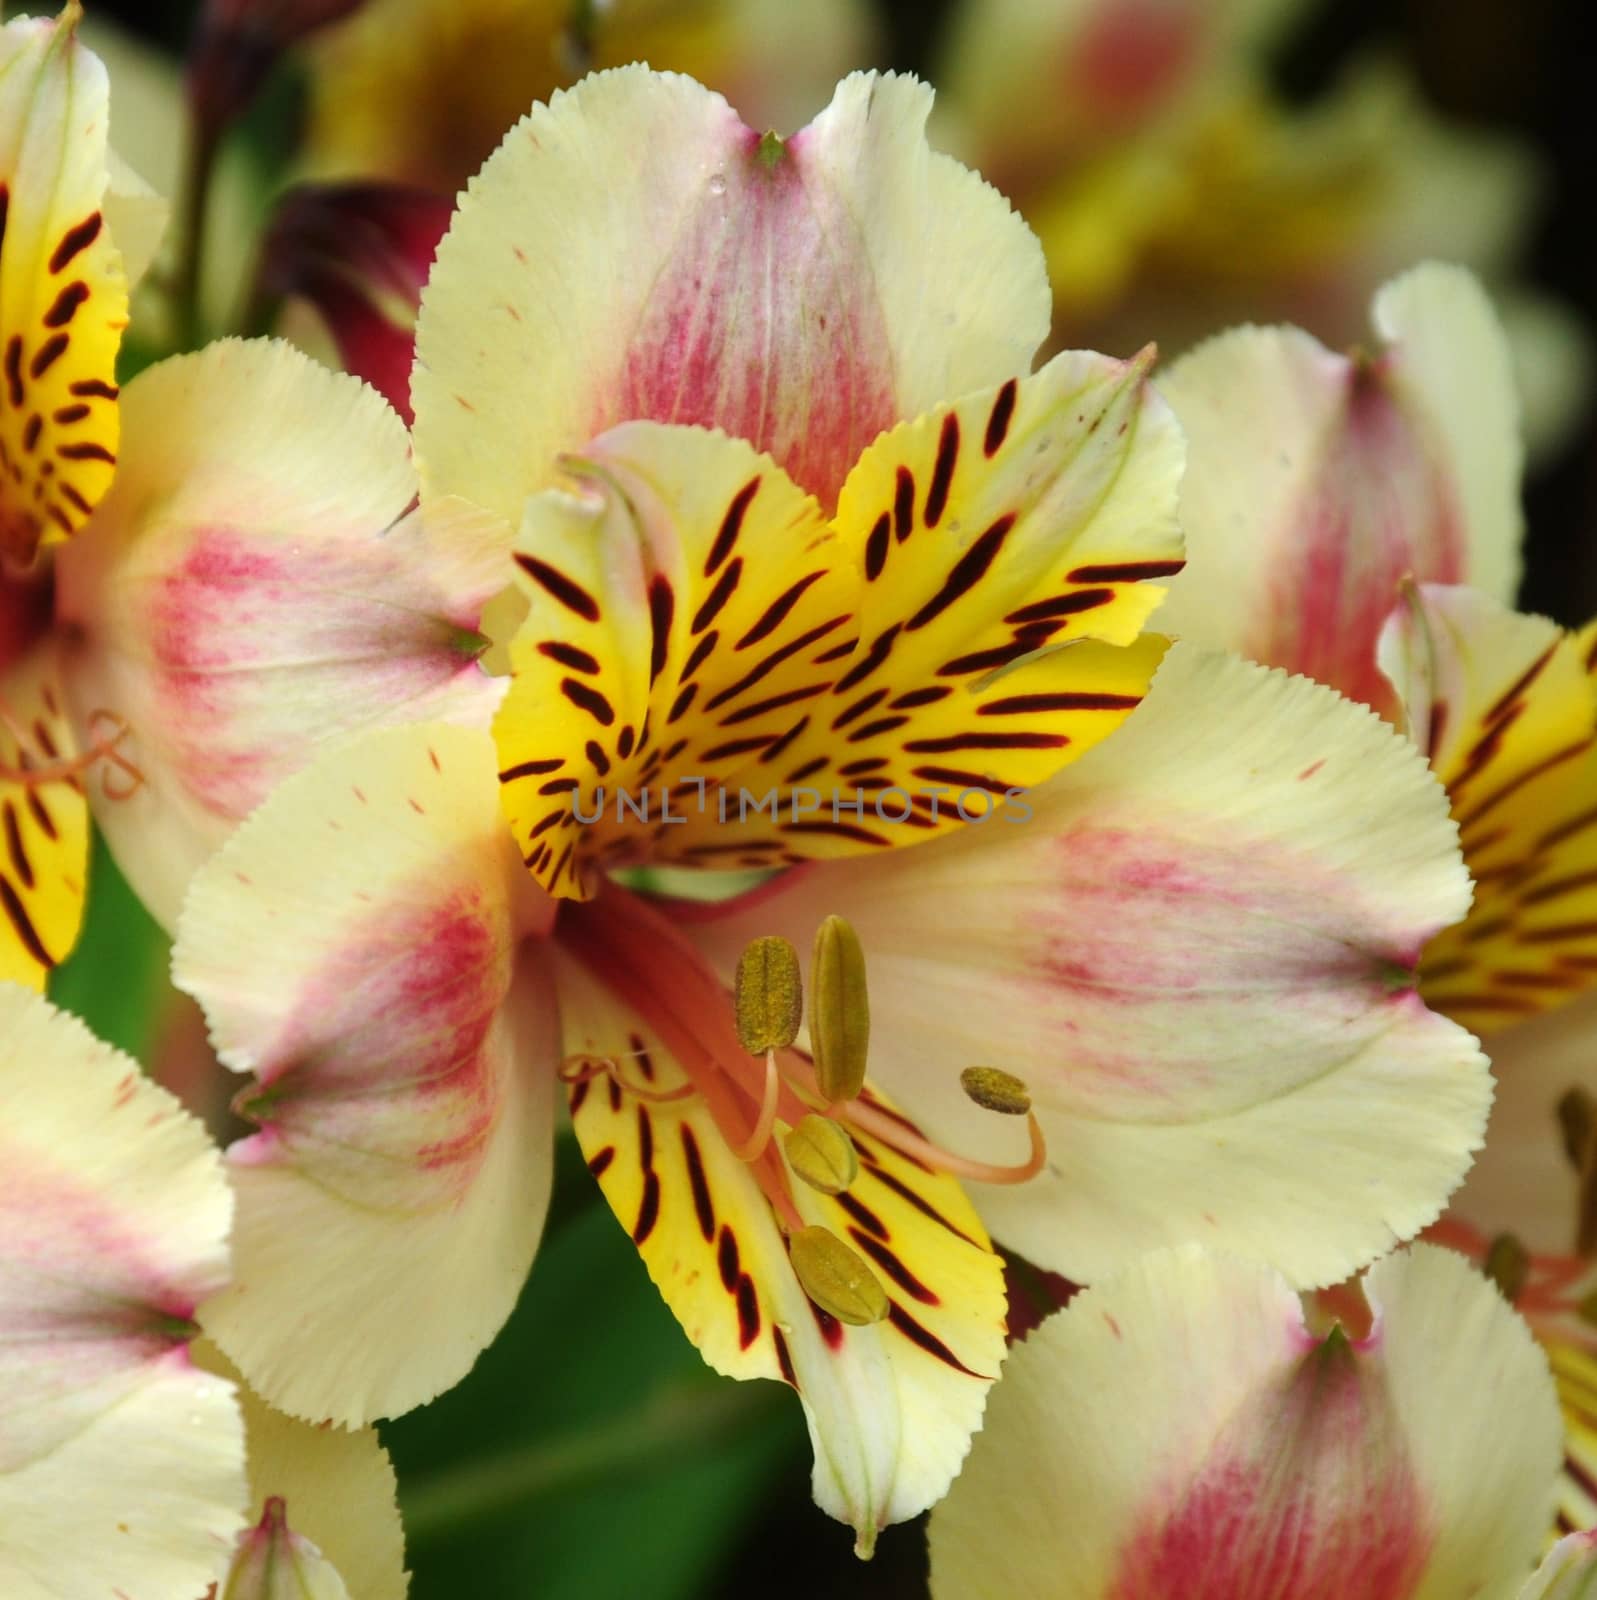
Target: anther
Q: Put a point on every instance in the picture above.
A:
(767, 996)
(1507, 1264)
(836, 1278)
(821, 1153)
(840, 1013)
(996, 1090)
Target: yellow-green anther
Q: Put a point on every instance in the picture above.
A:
(840, 1011)
(996, 1090)
(1507, 1264)
(836, 1277)
(820, 1152)
(768, 996)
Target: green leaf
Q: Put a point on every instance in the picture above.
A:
(590, 1452)
(116, 978)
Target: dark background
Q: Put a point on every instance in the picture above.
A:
(738, 1515)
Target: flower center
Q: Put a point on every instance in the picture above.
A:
(787, 1113)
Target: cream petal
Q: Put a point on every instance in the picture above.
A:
(1316, 482)
(257, 584)
(354, 948)
(121, 1463)
(803, 295)
(1178, 1430)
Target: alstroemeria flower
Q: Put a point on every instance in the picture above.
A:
(129, 1459)
(63, 306)
(1318, 482)
(1180, 1430)
(898, 562)
(1191, 946)
(238, 600)
(1505, 705)
(422, 91)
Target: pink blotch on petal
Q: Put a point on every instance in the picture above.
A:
(384, 1066)
(1307, 1494)
(1380, 510)
(259, 648)
(766, 321)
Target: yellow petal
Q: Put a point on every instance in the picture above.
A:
(890, 1406)
(44, 855)
(1506, 707)
(63, 293)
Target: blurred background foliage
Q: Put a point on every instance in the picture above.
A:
(590, 1452)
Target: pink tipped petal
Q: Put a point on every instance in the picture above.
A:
(1197, 949)
(1317, 482)
(1179, 1431)
(804, 295)
(257, 583)
(337, 1494)
(360, 254)
(1568, 1573)
(121, 1464)
(354, 949)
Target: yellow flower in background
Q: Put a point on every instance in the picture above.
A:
(1179, 1430)
(131, 1460)
(1176, 192)
(421, 91)
(75, 227)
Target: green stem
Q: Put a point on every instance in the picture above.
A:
(194, 206)
(684, 1416)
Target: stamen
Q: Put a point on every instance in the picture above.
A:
(836, 1278)
(1507, 1264)
(882, 1127)
(996, 1090)
(30, 774)
(767, 996)
(579, 1069)
(821, 1153)
(840, 1012)
(752, 1148)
